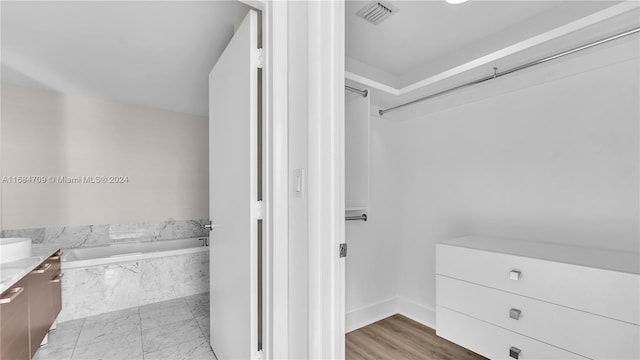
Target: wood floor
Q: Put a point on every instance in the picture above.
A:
(398, 338)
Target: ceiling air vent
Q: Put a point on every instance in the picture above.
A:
(377, 11)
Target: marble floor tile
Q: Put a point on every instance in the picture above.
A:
(108, 326)
(72, 324)
(165, 315)
(124, 334)
(111, 316)
(62, 341)
(161, 305)
(197, 298)
(199, 304)
(169, 335)
(66, 335)
(54, 353)
(124, 347)
(203, 322)
(197, 349)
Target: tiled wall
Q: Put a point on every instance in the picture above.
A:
(100, 235)
(104, 288)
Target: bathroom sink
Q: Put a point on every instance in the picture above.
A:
(12, 249)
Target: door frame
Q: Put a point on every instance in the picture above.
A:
(325, 177)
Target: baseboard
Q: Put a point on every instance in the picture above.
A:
(417, 312)
(366, 315)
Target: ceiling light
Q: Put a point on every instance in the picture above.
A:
(456, 2)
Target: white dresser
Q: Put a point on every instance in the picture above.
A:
(510, 299)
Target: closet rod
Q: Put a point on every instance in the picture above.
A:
(362, 217)
(364, 93)
(497, 74)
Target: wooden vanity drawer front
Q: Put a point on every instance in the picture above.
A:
(609, 293)
(54, 260)
(589, 335)
(14, 323)
(493, 341)
(56, 289)
(40, 303)
(56, 283)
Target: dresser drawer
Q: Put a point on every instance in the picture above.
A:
(609, 293)
(589, 335)
(492, 341)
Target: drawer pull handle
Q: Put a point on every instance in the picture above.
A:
(514, 275)
(514, 352)
(58, 278)
(43, 269)
(515, 314)
(14, 294)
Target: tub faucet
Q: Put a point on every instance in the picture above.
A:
(207, 226)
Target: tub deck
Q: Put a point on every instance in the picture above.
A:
(116, 253)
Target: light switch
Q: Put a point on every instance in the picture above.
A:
(298, 182)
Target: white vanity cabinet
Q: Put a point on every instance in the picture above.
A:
(509, 299)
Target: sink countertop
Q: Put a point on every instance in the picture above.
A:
(11, 272)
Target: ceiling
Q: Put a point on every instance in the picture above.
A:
(151, 53)
(425, 38)
(159, 53)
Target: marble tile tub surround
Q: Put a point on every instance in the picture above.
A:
(67, 237)
(100, 289)
(175, 329)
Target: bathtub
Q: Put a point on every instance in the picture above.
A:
(117, 253)
(109, 278)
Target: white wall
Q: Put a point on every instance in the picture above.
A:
(555, 162)
(371, 264)
(356, 151)
(163, 153)
(298, 159)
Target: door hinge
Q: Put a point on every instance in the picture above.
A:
(259, 58)
(343, 250)
(258, 210)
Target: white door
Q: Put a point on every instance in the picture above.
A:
(233, 191)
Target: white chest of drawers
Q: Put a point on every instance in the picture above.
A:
(508, 299)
